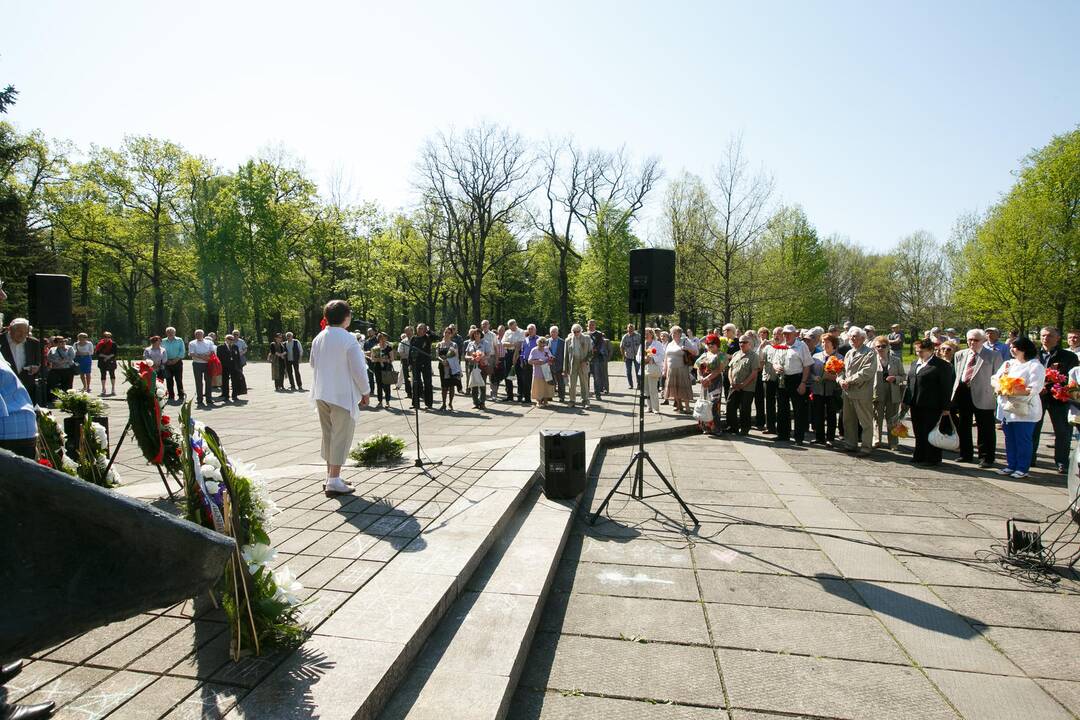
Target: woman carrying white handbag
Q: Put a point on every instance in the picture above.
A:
(1019, 406)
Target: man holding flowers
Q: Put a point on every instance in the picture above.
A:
(1057, 361)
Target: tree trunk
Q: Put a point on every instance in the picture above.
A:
(564, 290)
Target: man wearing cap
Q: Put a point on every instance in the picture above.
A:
(896, 339)
(871, 333)
(795, 365)
(950, 334)
(993, 342)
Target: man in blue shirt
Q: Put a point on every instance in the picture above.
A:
(18, 419)
(993, 342)
(175, 350)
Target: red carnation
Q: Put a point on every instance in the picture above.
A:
(45, 462)
(323, 324)
(164, 419)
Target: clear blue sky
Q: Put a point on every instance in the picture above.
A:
(879, 118)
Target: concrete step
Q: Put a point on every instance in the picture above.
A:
(470, 666)
(354, 660)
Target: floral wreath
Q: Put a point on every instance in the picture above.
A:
(232, 498)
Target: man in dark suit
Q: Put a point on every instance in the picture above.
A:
(420, 362)
(229, 355)
(1054, 357)
(929, 387)
(23, 353)
(557, 347)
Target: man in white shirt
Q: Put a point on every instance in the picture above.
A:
(1074, 341)
(294, 353)
(512, 341)
(200, 349)
(794, 390)
(490, 341)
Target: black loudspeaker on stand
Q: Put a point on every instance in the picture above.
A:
(652, 290)
(49, 301)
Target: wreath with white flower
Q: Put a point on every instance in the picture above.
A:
(232, 498)
(51, 444)
(93, 464)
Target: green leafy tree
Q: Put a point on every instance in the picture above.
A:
(602, 284)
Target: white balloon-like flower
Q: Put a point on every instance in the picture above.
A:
(100, 434)
(288, 587)
(257, 556)
(209, 472)
(212, 487)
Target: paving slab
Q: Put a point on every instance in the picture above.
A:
(1039, 611)
(773, 561)
(859, 557)
(627, 618)
(825, 594)
(627, 581)
(1040, 653)
(930, 631)
(830, 688)
(817, 634)
(624, 668)
(534, 705)
(991, 697)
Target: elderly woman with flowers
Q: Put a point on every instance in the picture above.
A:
(339, 389)
(711, 366)
(679, 355)
(1017, 384)
(827, 398)
(651, 354)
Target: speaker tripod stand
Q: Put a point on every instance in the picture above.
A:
(641, 455)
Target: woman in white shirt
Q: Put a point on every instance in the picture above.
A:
(84, 358)
(653, 359)
(339, 388)
(678, 357)
(1019, 413)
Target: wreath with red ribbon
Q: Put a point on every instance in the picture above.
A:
(153, 430)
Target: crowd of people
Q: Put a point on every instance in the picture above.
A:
(843, 387)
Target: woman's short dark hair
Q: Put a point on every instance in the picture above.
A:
(336, 311)
(155, 338)
(926, 344)
(1024, 345)
(831, 340)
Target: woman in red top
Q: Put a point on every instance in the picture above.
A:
(105, 351)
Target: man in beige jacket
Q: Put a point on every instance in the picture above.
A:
(857, 382)
(889, 383)
(578, 353)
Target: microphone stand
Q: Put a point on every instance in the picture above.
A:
(418, 462)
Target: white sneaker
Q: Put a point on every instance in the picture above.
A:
(337, 486)
(1018, 474)
(1004, 471)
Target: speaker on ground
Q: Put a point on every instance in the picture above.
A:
(562, 456)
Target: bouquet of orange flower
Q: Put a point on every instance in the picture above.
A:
(1008, 385)
(834, 365)
(899, 430)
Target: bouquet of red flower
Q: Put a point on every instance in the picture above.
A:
(1060, 393)
(834, 365)
(1056, 377)
(780, 346)
(480, 359)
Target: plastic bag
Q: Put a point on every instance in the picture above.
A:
(947, 440)
(703, 410)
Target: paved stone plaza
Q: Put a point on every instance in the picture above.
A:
(818, 585)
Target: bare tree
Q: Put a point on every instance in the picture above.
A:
(479, 178)
(565, 169)
(611, 180)
(740, 215)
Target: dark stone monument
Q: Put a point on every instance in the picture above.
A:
(74, 556)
